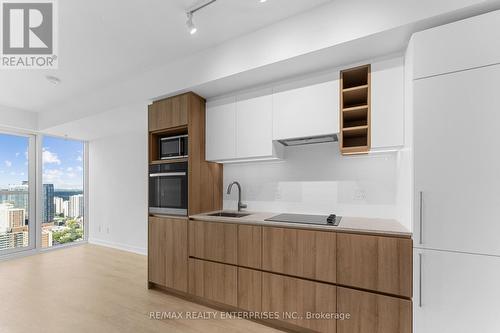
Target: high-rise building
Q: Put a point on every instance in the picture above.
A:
(48, 203)
(16, 217)
(46, 238)
(4, 216)
(59, 205)
(18, 195)
(76, 205)
(66, 208)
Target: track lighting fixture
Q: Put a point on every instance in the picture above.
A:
(190, 25)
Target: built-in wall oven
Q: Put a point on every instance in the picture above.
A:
(168, 187)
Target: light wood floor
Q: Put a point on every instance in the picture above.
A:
(91, 288)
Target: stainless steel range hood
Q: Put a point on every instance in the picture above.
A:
(308, 140)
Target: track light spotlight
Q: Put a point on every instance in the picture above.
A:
(190, 25)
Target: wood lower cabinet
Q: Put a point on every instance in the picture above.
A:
(250, 246)
(167, 252)
(249, 289)
(304, 253)
(213, 241)
(168, 113)
(375, 263)
(213, 281)
(373, 313)
(297, 297)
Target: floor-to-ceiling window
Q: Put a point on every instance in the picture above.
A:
(62, 199)
(17, 192)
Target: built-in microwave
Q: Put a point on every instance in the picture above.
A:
(173, 147)
(168, 188)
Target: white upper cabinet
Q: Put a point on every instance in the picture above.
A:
(306, 111)
(387, 103)
(254, 126)
(240, 128)
(469, 43)
(457, 162)
(221, 129)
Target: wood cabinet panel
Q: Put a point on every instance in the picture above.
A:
(376, 263)
(373, 313)
(213, 241)
(168, 113)
(304, 253)
(167, 252)
(291, 295)
(249, 289)
(213, 281)
(250, 246)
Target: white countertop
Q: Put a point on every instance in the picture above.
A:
(347, 224)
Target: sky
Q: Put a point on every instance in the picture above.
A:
(62, 161)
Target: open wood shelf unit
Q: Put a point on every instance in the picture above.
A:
(355, 110)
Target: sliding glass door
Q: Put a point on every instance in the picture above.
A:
(17, 192)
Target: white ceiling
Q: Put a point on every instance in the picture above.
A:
(103, 42)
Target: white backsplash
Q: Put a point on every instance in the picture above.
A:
(316, 179)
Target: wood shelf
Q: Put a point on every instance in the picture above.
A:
(355, 110)
(173, 160)
(365, 86)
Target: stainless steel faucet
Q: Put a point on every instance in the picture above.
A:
(240, 204)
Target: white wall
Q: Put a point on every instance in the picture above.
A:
(118, 185)
(316, 179)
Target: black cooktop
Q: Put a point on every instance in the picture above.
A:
(332, 220)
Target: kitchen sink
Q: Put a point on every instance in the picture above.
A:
(229, 214)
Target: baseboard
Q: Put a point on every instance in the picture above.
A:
(119, 246)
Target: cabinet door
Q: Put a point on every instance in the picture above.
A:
(303, 253)
(456, 161)
(458, 292)
(374, 313)
(457, 46)
(168, 113)
(254, 126)
(213, 241)
(250, 246)
(221, 129)
(213, 281)
(376, 263)
(387, 103)
(306, 111)
(297, 297)
(167, 252)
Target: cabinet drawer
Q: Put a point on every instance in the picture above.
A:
(373, 313)
(302, 253)
(250, 246)
(249, 289)
(376, 263)
(168, 113)
(167, 252)
(291, 295)
(213, 281)
(213, 241)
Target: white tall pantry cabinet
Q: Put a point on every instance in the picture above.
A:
(456, 82)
